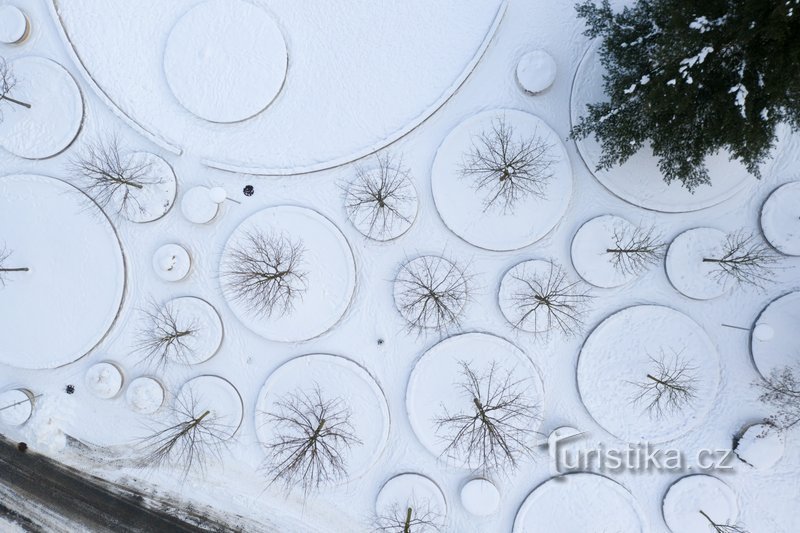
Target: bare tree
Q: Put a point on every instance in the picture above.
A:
(722, 528)
(7, 83)
(635, 248)
(781, 390)
(166, 335)
(381, 202)
(744, 260)
(543, 301)
(670, 386)
(507, 169)
(112, 177)
(5, 269)
(312, 437)
(496, 423)
(414, 517)
(194, 436)
(431, 292)
(264, 272)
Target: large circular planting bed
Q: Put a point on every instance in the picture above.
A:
(235, 51)
(50, 113)
(634, 368)
(477, 205)
(639, 181)
(579, 502)
(353, 399)
(316, 293)
(75, 276)
(441, 385)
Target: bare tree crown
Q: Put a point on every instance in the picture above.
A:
(313, 435)
(745, 260)
(112, 177)
(165, 337)
(7, 84)
(414, 517)
(669, 386)
(506, 168)
(265, 272)
(781, 391)
(495, 426)
(381, 202)
(635, 249)
(543, 301)
(718, 527)
(6, 268)
(195, 436)
(431, 293)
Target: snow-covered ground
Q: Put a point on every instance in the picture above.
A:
(361, 77)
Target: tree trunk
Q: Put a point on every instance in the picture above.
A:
(13, 101)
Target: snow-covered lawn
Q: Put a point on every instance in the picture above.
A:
(399, 293)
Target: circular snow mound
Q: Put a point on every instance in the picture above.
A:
(14, 25)
(16, 406)
(157, 195)
(480, 497)
(639, 180)
(439, 384)
(225, 60)
(76, 275)
(590, 251)
(323, 279)
(346, 387)
(198, 206)
(687, 271)
(780, 218)
(382, 202)
(761, 446)
(39, 132)
(145, 395)
(579, 502)
(479, 207)
(104, 380)
(536, 71)
(218, 396)
(623, 358)
(773, 353)
(690, 495)
(415, 491)
(172, 262)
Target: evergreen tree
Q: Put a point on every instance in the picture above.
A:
(694, 77)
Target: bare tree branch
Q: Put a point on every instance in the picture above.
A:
(382, 202)
(112, 178)
(313, 436)
(781, 390)
(7, 83)
(495, 426)
(507, 169)
(431, 292)
(547, 301)
(165, 338)
(413, 517)
(194, 437)
(635, 249)
(5, 268)
(670, 386)
(264, 272)
(722, 528)
(744, 260)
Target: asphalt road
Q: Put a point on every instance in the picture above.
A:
(40, 494)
